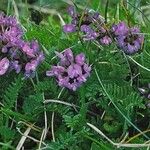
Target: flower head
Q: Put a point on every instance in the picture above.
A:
(31, 49)
(71, 71)
(120, 29)
(104, 37)
(76, 21)
(90, 34)
(71, 11)
(131, 42)
(106, 40)
(10, 31)
(21, 56)
(16, 66)
(69, 28)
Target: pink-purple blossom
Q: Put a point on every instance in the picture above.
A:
(72, 71)
(106, 40)
(4, 65)
(89, 24)
(69, 28)
(120, 29)
(128, 39)
(15, 53)
(131, 42)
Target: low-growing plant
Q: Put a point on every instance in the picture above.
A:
(75, 80)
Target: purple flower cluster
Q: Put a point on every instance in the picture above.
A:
(71, 71)
(92, 27)
(128, 39)
(15, 53)
(89, 25)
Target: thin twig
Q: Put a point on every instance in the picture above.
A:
(68, 104)
(41, 139)
(23, 138)
(15, 10)
(103, 114)
(118, 145)
(61, 19)
(7, 145)
(45, 129)
(60, 102)
(27, 136)
(125, 137)
(53, 115)
(137, 135)
(139, 64)
(52, 126)
(32, 126)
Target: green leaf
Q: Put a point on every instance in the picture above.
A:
(6, 133)
(12, 92)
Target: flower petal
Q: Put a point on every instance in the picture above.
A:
(4, 64)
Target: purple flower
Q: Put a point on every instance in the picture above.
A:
(40, 57)
(4, 65)
(86, 29)
(72, 71)
(96, 15)
(15, 65)
(120, 29)
(104, 37)
(90, 34)
(71, 11)
(10, 31)
(80, 59)
(88, 23)
(106, 40)
(56, 71)
(69, 28)
(66, 58)
(86, 70)
(76, 21)
(31, 66)
(30, 49)
(131, 42)
(23, 56)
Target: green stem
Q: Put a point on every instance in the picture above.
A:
(92, 139)
(32, 82)
(6, 145)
